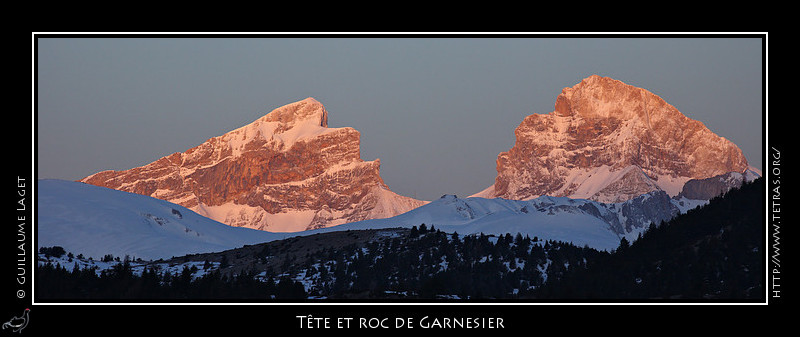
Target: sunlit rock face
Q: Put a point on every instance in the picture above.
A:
(285, 172)
(609, 141)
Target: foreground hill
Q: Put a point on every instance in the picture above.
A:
(96, 221)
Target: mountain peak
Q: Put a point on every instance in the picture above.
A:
(286, 171)
(601, 129)
(605, 97)
(308, 110)
(287, 125)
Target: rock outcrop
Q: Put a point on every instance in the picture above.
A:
(708, 188)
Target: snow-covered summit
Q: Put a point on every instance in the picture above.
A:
(283, 127)
(306, 109)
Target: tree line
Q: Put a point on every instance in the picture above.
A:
(715, 252)
(55, 282)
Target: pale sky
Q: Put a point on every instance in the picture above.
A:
(436, 110)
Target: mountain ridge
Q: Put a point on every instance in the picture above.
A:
(579, 221)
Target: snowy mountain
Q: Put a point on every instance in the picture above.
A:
(609, 141)
(285, 172)
(95, 221)
(579, 221)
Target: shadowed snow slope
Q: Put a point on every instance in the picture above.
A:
(95, 221)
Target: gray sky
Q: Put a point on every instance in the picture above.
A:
(436, 111)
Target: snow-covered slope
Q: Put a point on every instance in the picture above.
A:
(580, 221)
(95, 221)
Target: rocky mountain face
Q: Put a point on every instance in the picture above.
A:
(708, 188)
(285, 172)
(609, 141)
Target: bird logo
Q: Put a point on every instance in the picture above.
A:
(18, 323)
